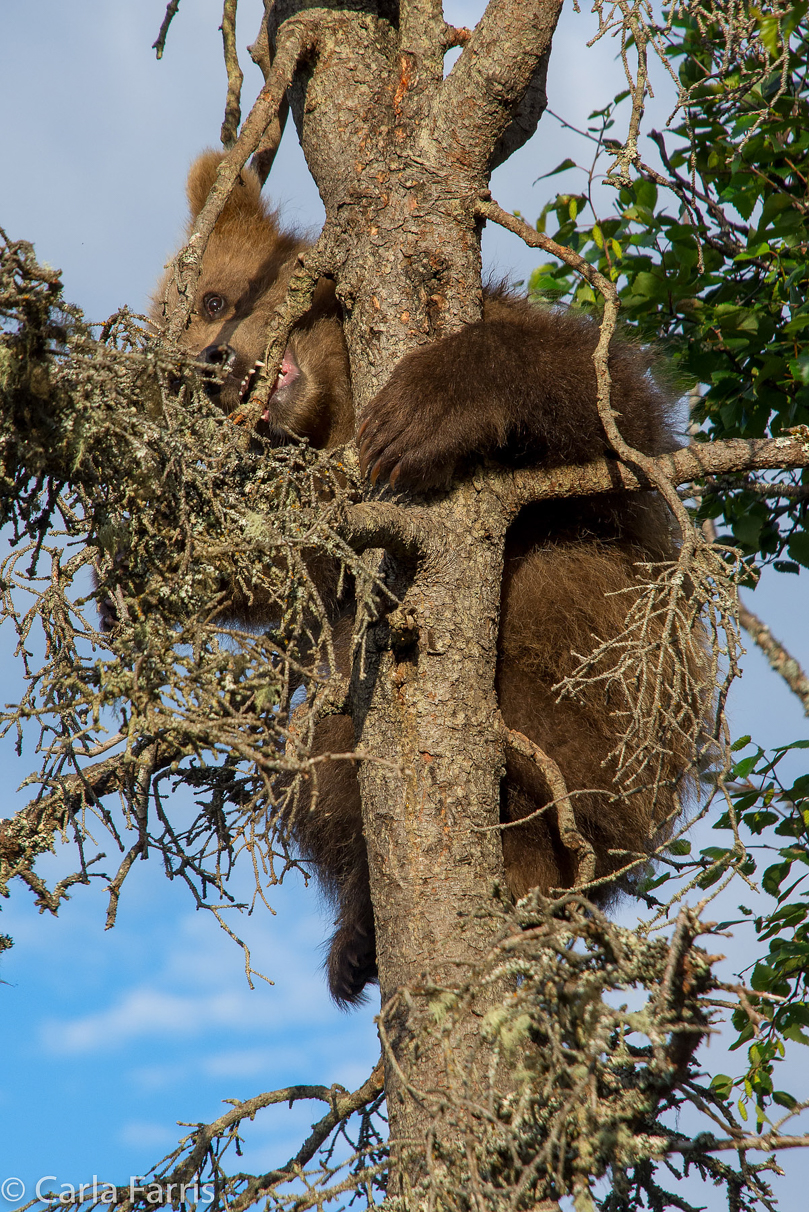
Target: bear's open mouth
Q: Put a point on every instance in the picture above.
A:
(287, 374)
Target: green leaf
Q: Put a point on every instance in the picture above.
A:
(651, 285)
(747, 529)
(799, 368)
(560, 168)
(743, 768)
(796, 1035)
(799, 548)
(757, 822)
(722, 1084)
(774, 876)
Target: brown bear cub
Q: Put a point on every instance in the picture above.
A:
(520, 387)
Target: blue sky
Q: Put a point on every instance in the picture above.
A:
(109, 1038)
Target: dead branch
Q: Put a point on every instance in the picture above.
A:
(343, 1105)
(31, 830)
(768, 1142)
(315, 263)
(115, 885)
(261, 52)
(233, 113)
(759, 488)
(160, 44)
(336, 1096)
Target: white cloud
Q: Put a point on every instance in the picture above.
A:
(150, 1012)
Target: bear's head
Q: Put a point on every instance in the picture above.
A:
(245, 272)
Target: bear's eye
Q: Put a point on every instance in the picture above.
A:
(213, 305)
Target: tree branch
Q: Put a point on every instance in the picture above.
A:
(682, 466)
(313, 264)
(497, 80)
(486, 208)
(343, 1105)
(30, 831)
(261, 52)
(159, 45)
(233, 113)
(526, 119)
(380, 524)
(766, 1143)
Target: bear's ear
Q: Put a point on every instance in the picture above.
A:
(245, 201)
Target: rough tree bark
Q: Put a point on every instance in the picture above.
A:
(401, 157)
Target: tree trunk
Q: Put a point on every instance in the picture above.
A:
(401, 156)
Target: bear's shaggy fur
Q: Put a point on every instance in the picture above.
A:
(520, 387)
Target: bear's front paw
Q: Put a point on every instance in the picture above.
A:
(405, 447)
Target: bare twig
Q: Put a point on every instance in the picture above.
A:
(160, 45)
(488, 209)
(233, 113)
(759, 488)
(768, 1142)
(29, 831)
(313, 264)
(114, 888)
(265, 153)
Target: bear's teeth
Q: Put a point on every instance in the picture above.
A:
(247, 382)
